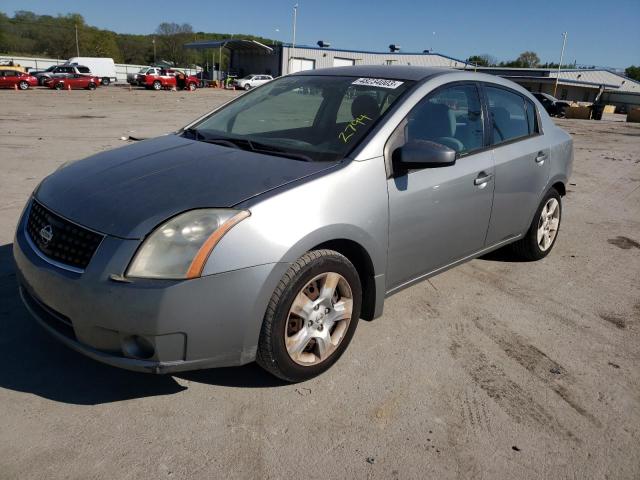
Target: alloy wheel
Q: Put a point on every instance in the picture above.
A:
(548, 224)
(318, 319)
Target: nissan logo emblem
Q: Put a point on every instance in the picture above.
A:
(46, 233)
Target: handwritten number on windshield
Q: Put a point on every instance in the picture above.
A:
(351, 129)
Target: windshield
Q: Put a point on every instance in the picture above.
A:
(144, 70)
(319, 118)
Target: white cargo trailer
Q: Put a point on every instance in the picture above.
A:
(100, 67)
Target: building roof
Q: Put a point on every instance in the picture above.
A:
(372, 52)
(588, 77)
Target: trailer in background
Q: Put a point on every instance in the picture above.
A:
(101, 67)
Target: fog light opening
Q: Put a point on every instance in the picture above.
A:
(138, 347)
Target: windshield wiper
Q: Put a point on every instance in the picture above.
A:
(249, 145)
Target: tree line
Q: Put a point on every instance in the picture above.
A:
(30, 34)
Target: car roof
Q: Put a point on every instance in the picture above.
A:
(391, 72)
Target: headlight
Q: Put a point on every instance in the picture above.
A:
(180, 247)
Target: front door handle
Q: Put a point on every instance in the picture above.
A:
(541, 157)
(482, 179)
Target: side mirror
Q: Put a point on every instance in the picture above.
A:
(423, 154)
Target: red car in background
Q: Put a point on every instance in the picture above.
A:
(169, 79)
(74, 82)
(13, 78)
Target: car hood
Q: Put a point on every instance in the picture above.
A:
(128, 191)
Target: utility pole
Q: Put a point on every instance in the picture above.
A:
(293, 44)
(77, 44)
(153, 40)
(564, 42)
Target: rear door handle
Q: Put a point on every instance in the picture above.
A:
(541, 157)
(482, 179)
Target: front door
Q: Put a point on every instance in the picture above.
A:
(440, 215)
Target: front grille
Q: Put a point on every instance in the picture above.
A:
(59, 239)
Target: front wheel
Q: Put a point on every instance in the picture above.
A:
(192, 86)
(23, 85)
(106, 81)
(157, 85)
(311, 317)
(59, 86)
(91, 86)
(247, 86)
(543, 231)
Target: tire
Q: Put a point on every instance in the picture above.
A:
(157, 85)
(247, 86)
(304, 278)
(192, 86)
(531, 247)
(106, 81)
(59, 86)
(91, 86)
(23, 85)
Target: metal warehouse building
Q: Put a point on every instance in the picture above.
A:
(249, 56)
(578, 85)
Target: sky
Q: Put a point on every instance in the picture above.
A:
(598, 34)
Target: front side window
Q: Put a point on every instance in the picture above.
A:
(84, 70)
(319, 118)
(451, 116)
(508, 115)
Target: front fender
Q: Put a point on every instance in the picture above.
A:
(347, 203)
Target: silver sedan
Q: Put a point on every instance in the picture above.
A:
(266, 229)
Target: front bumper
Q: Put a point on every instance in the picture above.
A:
(213, 321)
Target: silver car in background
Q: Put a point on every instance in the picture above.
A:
(252, 81)
(266, 229)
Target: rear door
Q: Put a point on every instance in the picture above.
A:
(521, 160)
(440, 215)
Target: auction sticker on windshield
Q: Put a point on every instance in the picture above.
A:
(378, 82)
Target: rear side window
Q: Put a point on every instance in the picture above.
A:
(451, 116)
(508, 115)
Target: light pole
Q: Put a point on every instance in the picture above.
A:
(564, 42)
(293, 44)
(153, 40)
(77, 44)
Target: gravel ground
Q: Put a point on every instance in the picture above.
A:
(496, 369)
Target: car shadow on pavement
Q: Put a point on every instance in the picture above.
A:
(504, 254)
(32, 361)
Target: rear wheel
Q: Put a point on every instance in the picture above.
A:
(91, 86)
(59, 86)
(192, 86)
(311, 317)
(106, 81)
(23, 85)
(157, 85)
(543, 231)
(247, 86)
